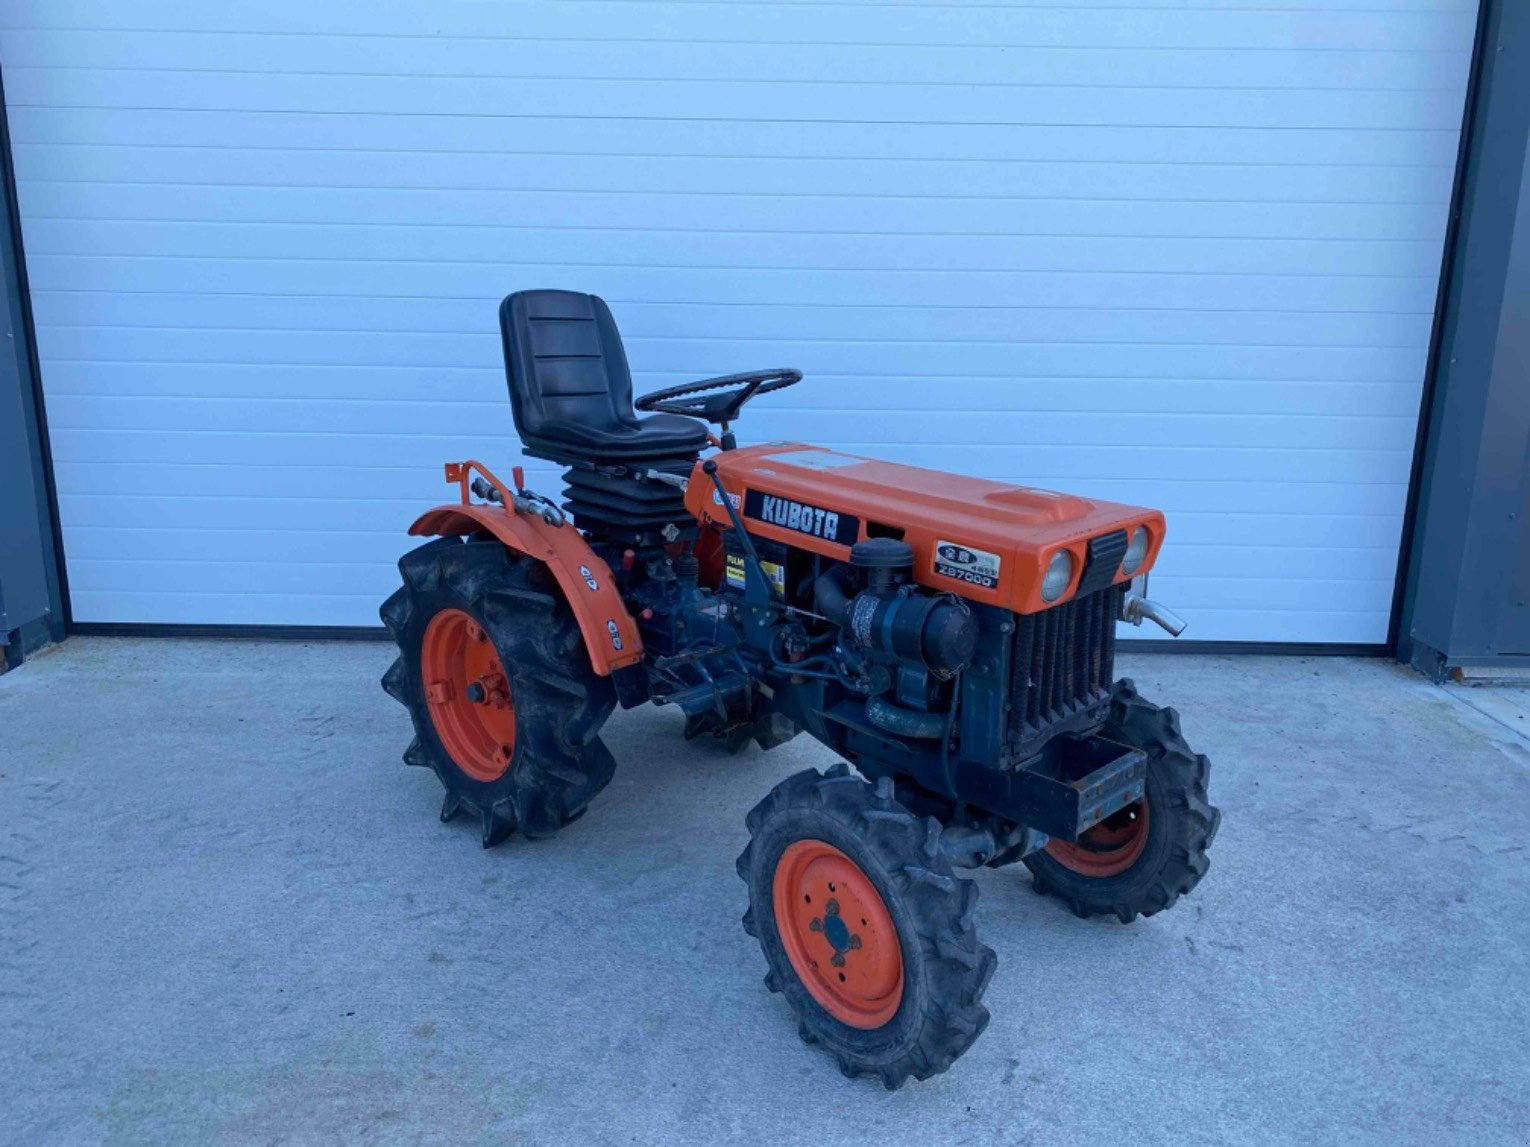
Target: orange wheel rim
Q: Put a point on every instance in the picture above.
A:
(468, 694)
(838, 934)
(1107, 849)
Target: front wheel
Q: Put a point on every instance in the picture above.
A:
(866, 931)
(1143, 858)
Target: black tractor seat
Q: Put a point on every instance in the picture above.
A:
(571, 391)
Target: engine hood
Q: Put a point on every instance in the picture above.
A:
(984, 540)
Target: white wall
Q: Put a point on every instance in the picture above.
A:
(1183, 256)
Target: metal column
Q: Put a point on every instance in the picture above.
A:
(32, 594)
(1466, 602)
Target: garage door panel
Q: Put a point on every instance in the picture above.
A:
(347, 448)
(1309, 624)
(359, 505)
(738, 287)
(335, 448)
(236, 607)
(397, 394)
(931, 358)
(896, 429)
(350, 578)
(230, 607)
(218, 542)
(157, 575)
(1151, 462)
(1289, 511)
(1316, 532)
(724, 175)
(465, 318)
(227, 537)
(1345, 24)
(487, 134)
(1308, 567)
(1290, 67)
(311, 513)
(1254, 593)
(1294, 510)
(1302, 500)
(876, 211)
(505, 246)
(740, 99)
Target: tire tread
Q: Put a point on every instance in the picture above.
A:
(560, 762)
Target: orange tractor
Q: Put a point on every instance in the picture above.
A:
(950, 637)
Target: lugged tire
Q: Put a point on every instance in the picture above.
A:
(945, 967)
(559, 762)
(1182, 822)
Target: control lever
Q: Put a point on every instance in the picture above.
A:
(754, 574)
(676, 480)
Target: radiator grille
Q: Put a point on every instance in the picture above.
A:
(1064, 663)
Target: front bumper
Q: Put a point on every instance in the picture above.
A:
(1083, 781)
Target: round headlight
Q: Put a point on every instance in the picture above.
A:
(1136, 550)
(1059, 574)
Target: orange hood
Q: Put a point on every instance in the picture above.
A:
(985, 541)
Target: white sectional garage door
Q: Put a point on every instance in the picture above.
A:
(1176, 253)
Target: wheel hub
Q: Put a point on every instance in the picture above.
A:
(468, 694)
(838, 934)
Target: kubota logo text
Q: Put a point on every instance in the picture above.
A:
(815, 521)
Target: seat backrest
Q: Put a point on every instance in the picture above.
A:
(564, 362)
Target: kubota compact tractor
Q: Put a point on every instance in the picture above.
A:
(952, 638)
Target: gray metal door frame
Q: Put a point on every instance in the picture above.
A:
(1466, 599)
(33, 593)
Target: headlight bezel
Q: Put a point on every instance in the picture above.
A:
(1129, 565)
(1058, 576)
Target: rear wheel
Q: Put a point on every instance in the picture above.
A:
(494, 673)
(1139, 860)
(866, 931)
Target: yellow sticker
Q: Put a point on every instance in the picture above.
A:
(774, 572)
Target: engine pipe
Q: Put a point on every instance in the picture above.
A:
(905, 722)
(1135, 609)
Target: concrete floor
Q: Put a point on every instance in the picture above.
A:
(228, 914)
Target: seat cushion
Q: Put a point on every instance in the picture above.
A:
(570, 389)
(658, 435)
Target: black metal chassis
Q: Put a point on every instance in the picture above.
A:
(1075, 782)
(1066, 782)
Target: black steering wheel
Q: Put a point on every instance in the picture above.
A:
(692, 399)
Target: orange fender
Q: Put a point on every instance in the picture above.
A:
(610, 633)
